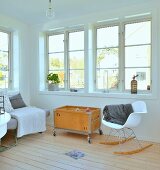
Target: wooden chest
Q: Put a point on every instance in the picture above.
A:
(77, 118)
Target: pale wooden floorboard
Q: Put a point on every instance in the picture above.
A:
(7, 166)
(16, 163)
(62, 159)
(107, 156)
(44, 151)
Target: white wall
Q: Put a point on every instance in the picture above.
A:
(148, 130)
(21, 54)
(29, 72)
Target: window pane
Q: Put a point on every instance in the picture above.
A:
(143, 79)
(3, 60)
(76, 40)
(138, 33)
(4, 41)
(138, 56)
(76, 60)
(107, 79)
(61, 77)
(56, 43)
(3, 69)
(107, 37)
(107, 58)
(76, 78)
(56, 61)
(3, 79)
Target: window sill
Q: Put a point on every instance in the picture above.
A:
(100, 94)
(9, 92)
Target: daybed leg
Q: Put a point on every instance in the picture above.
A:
(15, 136)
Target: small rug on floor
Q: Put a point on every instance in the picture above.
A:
(75, 154)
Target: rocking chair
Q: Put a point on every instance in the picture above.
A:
(134, 119)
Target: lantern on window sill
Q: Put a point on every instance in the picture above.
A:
(134, 85)
(2, 110)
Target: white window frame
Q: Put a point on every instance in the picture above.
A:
(66, 55)
(47, 41)
(104, 25)
(9, 57)
(90, 48)
(138, 21)
(71, 31)
(121, 25)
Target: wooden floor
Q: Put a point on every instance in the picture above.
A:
(44, 151)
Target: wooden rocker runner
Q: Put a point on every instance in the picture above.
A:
(126, 152)
(117, 142)
(133, 151)
(133, 120)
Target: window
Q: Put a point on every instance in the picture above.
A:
(117, 51)
(66, 57)
(76, 59)
(138, 53)
(4, 59)
(107, 58)
(56, 56)
(122, 51)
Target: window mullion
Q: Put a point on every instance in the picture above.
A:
(10, 85)
(95, 59)
(47, 60)
(66, 60)
(122, 56)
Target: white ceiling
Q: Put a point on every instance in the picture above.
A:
(33, 11)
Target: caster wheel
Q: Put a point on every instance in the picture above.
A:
(54, 133)
(100, 132)
(89, 140)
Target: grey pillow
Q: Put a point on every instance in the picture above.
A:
(17, 101)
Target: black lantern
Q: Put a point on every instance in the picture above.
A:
(2, 110)
(134, 85)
